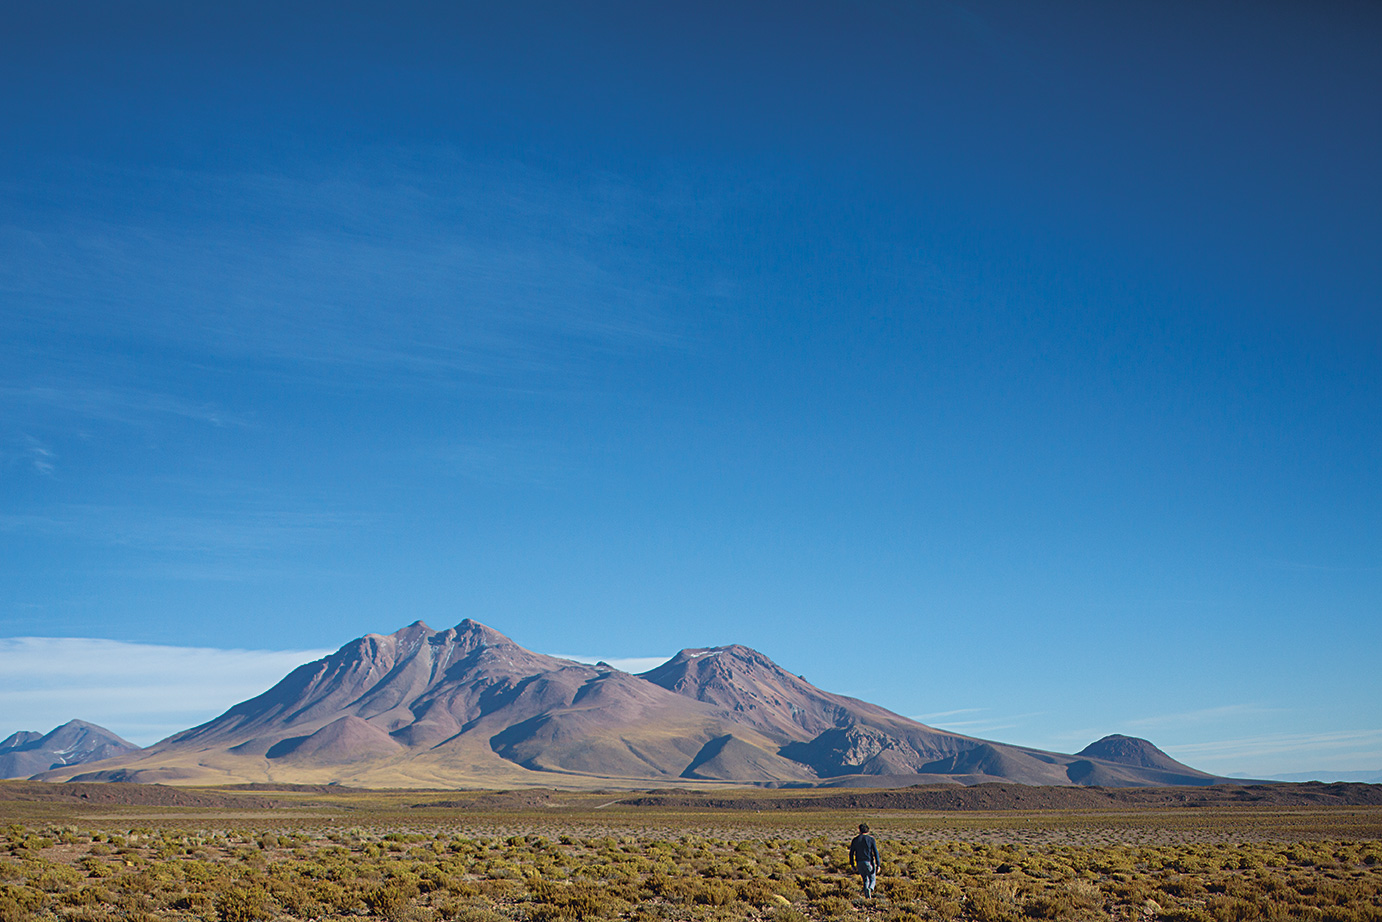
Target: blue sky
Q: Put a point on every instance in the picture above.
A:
(1013, 366)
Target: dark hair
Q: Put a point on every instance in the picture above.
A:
(863, 827)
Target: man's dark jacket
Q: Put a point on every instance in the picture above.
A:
(863, 851)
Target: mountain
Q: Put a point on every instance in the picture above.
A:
(829, 734)
(76, 742)
(469, 707)
(1129, 750)
(1118, 761)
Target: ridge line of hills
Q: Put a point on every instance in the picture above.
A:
(468, 707)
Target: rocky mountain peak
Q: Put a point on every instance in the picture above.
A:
(1129, 750)
(756, 689)
(74, 743)
(696, 666)
(471, 634)
(19, 740)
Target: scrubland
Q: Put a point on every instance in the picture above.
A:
(357, 855)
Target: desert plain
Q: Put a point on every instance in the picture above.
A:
(256, 853)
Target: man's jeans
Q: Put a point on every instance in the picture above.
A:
(869, 874)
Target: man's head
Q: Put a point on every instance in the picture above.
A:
(863, 827)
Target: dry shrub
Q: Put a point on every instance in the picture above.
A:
(757, 892)
(297, 900)
(56, 878)
(392, 900)
(12, 910)
(1184, 914)
(946, 909)
(497, 890)
(1075, 899)
(467, 911)
(898, 914)
(992, 904)
(243, 904)
(200, 904)
(711, 893)
(17, 903)
(85, 896)
(569, 901)
(88, 914)
(334, 897)
(898, 889)
(831, 907)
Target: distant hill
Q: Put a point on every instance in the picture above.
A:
(76, 742)
(1109, 761)
(1331, 777)
(468, 707)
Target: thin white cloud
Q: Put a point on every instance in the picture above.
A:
(485, 276)
(142, 692)
(1274, 753)
(623, 663)
(247, 530)
(115, 405)
(941, 715)
(40, 457)
(978, 724)
(1203, 715)
(28, 452)
(1278, 743)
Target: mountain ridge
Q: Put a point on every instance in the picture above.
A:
(467, 706)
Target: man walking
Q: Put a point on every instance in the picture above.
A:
(863, 858)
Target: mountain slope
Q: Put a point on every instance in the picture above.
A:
(829, 734)
(468, 706)
(433, 707)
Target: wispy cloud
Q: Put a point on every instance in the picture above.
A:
(238, 531)
(1202, 715)
(143, 692)
(416, 266)
(941, 715)
(116, 405)
(1273, 753)
(40, 456)
(623, 663)
(976, 724)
